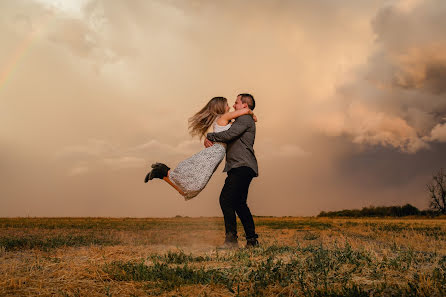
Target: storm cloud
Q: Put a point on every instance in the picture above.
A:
(398, 97)
(350, 99)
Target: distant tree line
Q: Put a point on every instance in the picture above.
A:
(379, 211)
(437, 203)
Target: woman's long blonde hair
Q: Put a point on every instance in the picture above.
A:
(202, 120)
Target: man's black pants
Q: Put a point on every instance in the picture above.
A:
(233, 200)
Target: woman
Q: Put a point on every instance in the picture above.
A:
(191, 175)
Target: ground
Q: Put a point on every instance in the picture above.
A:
(177, 257)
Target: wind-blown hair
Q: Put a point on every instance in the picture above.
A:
(200, 123)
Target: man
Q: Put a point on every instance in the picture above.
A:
(241, 167)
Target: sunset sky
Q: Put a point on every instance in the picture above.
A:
(350, 97)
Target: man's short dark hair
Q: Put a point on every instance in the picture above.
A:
(248, 99)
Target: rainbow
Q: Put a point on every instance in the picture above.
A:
(23, 47)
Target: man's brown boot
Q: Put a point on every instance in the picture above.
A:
(230, 242)
(252, 242)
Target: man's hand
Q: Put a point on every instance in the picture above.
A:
(208, 143)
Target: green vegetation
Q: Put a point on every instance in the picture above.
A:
(10, 243)
(162, 276)
(313, 270)
(178, 258)
(293, 224)
(126, 224)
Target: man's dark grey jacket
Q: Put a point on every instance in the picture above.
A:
(240, 139)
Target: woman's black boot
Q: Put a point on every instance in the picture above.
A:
(159, 170)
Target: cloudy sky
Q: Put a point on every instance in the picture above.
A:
(351, 101)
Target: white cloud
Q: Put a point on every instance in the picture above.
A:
(267, 149)
(98, 152)
(78, 170)
(406, 5)
(438, 133)
(124, 162)
(70, 7)
(93, 148)
(291, 150)
(380, 128)
(186, 147)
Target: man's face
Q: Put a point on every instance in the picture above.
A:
(239, 104)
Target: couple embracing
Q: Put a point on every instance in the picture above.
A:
(233, 134)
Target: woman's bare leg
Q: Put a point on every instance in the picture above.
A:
(167, 179)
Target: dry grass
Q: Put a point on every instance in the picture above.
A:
(177, 257)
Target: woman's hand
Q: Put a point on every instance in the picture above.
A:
(247, 111)
(207, 143)
(250, 112)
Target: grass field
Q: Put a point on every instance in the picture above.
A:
(177, 257)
